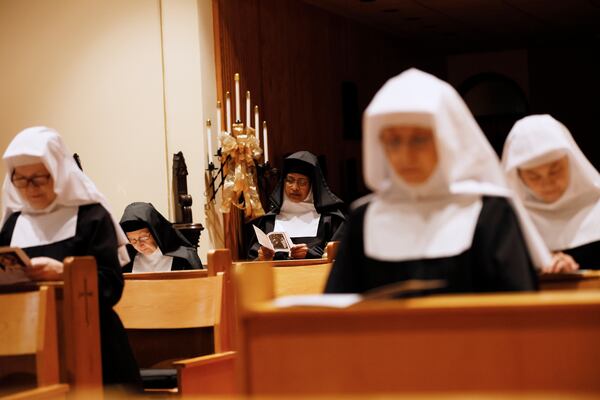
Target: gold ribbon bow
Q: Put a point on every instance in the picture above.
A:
(238, 152)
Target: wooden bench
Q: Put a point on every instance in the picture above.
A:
(29, 345)
(78, 325)
(179, 320)
(488, 343)
(492, 343)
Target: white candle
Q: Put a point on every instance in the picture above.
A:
(237, 98)
(219, 118)
(248, 117)
(256, 122)
(228, 111)
(265, 142)
(209, 141)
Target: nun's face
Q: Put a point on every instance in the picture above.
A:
(35, 185)
(142, 240)
(297, 186)
(411, 151)
(548, 181)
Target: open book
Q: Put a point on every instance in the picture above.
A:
(275, 241)
(397, 290)
(13, 262)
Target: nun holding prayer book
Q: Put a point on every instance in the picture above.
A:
(303, 211)
(51, 210)
(441, 209)
(559, 187)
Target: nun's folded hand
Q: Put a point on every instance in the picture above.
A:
(299, 251)
(562, 262)
(45, 269)
(265, 254)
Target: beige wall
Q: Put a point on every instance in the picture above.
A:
(127, 84)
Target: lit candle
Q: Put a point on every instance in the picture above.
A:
(209, 141)
(248, 117)
(236, 77)
(228, 110)
(265, 142)
(219, 118)
(256, 122)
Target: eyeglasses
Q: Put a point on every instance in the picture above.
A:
(414, 142)
(141, 239)
(302, 182)
(36, 180)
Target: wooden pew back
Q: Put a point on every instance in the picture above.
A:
(456, 344)
(28, 333)
(306, 279)
(171, 315)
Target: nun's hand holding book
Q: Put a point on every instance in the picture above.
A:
(562, 262)
(45, 269)
(299, 251)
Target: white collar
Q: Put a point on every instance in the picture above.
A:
(298, 219)
(45, 227)
(155, 262)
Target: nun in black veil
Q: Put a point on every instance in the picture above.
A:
(303, 206)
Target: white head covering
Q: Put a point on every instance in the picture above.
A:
(438, 217)
(72, 187)
(298, 219)
(574, 219)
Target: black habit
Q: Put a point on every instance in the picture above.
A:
(171, 242)
(95, 236)
(327, 204)
(498, 259)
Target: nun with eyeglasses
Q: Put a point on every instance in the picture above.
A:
(52, 210)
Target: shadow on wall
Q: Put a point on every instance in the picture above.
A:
(497, 102)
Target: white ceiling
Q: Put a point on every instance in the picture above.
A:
(473, 24)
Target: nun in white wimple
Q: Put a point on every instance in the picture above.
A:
(441, 209)
(52, 210)
(559, 187)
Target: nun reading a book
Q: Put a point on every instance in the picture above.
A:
(155, 246)
(304, 208)
(441, 209)
(559, 188)
(51, 210)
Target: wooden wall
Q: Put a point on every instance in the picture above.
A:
(293, 57)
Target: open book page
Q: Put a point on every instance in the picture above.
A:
(13, 262)
(263, 239)
(275, 241)
(319, 300)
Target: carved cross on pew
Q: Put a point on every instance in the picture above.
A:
(86, 293)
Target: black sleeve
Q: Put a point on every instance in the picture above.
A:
(97, 230)
(345, 273)
(501, 250)
(191, 261)
(7, 229)
(331, 226)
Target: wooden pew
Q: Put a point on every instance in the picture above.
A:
(588, 279)
(28, 345)
(215, 373)
(492, 343)
(173, 332)
(331, 251)
(78, 326)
